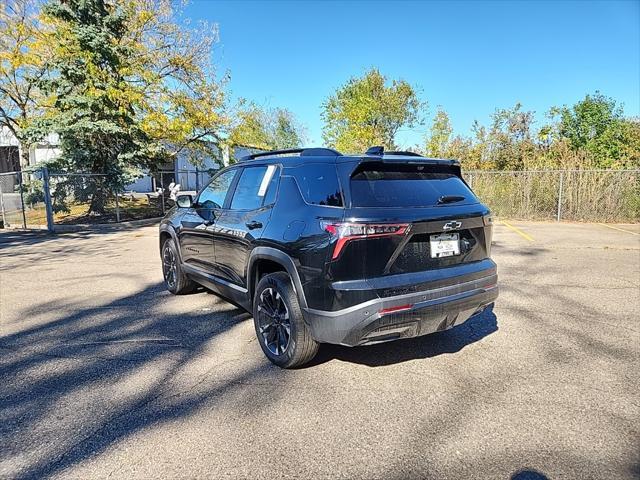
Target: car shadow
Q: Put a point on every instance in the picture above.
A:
(439, 343)
(13, 238)
(83, 349)
(529, 475)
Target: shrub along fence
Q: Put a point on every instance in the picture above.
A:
(576, 195)
(40, 199)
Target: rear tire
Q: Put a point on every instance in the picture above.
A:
(174, 277)
(280, 328)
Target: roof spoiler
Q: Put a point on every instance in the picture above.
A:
(378, 151)
(303, 152)
(379, 155)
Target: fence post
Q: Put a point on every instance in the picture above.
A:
(560, 197)
(162, 191)
(47, 198)
(24, 215)
(471, 181)
(4, 220)
(117, 208)
(197, 181)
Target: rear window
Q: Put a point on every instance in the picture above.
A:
(407, 186)
(318, 183)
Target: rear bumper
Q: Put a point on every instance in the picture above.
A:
(423, 312)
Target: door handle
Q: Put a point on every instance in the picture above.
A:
(253, 224)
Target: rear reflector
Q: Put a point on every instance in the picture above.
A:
(400, 308)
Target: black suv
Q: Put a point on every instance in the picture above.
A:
(327, 248)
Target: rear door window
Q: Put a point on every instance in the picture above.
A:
(407, 186)
(318, 183)
(256, 187)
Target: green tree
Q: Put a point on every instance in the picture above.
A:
(131, 89)
(265, 129)
(287, 133)
(438, 141)
(369, 111)
(509, 142)
(93, 110)
(597, 125)
(630, 151)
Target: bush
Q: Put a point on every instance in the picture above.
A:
(587, 195)
(32, 191)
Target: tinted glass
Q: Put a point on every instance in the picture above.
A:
(253, 186)
(272, 188)
(408, 186)
(214, 194)
(318, 184)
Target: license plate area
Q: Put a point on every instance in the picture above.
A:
(444, 245)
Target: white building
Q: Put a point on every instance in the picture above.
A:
(10, 159)
(182, 170)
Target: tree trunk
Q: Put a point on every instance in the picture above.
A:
(99, 198)
(23, 153)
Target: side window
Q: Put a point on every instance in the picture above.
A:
(272, 186)
(214, 194)
(318, 184)
(255, 188)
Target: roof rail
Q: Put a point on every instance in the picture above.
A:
(320, 152)
(303, 152)
(405, 154)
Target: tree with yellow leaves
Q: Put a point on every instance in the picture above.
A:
(23, 64)
(130, 87)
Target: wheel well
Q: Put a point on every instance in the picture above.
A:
(261, 268)
(164, 236)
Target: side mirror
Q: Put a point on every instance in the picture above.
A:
(184, 201)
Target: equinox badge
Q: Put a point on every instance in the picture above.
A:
(452, 225)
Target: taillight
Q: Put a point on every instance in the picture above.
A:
(345, 232)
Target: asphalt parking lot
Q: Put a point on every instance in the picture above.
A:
(104, 374)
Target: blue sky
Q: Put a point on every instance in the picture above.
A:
(468, 57)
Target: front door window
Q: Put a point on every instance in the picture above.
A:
(214, 194)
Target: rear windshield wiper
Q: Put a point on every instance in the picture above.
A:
(450, 199)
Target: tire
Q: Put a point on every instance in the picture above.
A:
(276, 309)
(174, 278)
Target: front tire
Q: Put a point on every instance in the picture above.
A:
(280, 328)
(174, 278)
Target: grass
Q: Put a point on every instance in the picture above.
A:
(130, 209)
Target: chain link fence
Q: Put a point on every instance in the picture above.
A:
(43, 199)
(575, 195)
(22, 200)
(39, 199)
(92, 199)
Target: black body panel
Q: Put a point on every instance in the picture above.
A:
(345, 282)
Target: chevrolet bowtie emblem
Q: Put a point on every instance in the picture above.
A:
(452, 225)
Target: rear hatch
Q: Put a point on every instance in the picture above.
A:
(423, 227)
